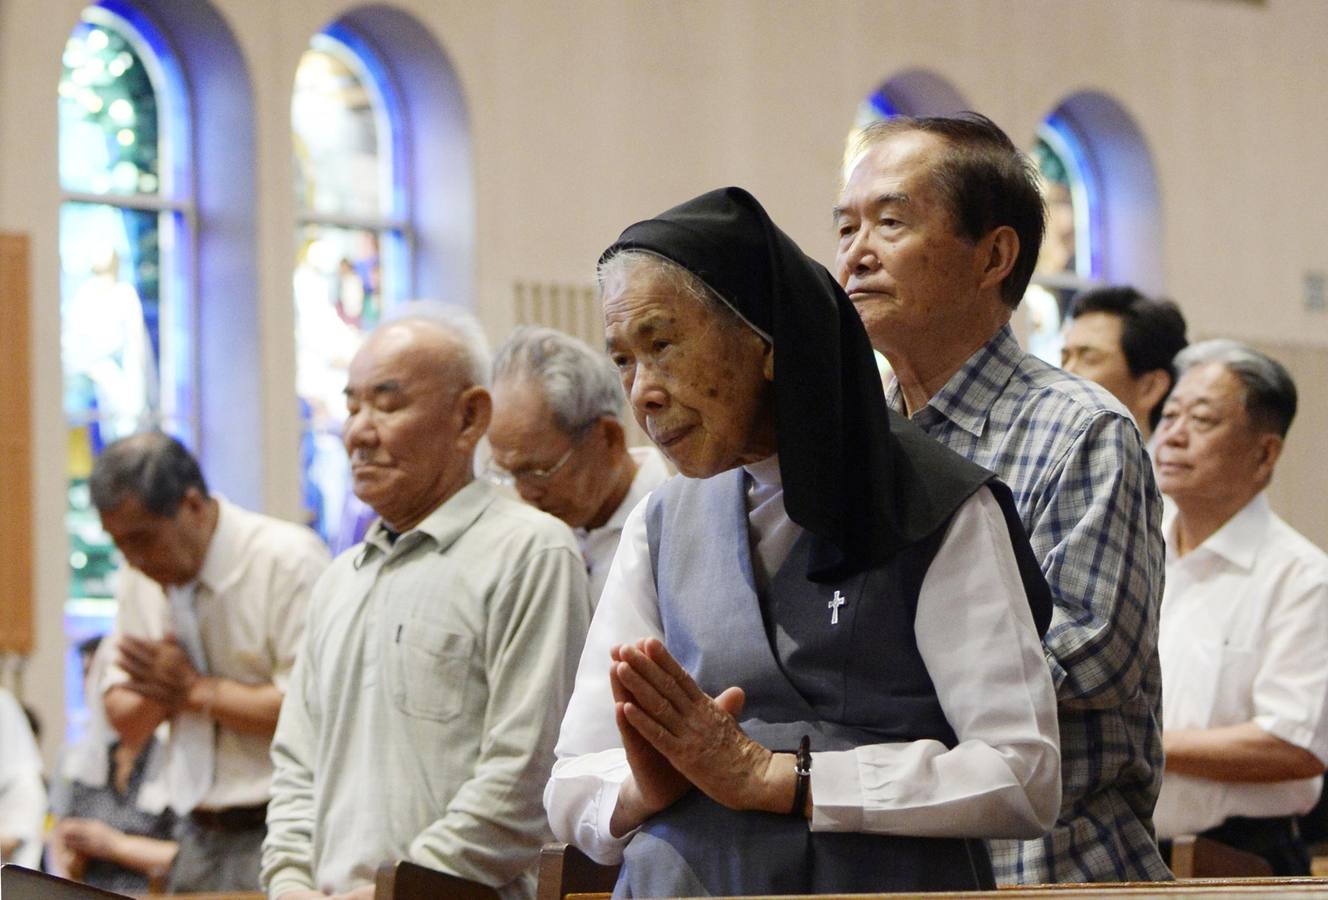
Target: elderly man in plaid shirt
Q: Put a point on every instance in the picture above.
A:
(939, 226)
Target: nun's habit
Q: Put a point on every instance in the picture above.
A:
(865, 586)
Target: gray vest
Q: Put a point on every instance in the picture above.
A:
(858, 681)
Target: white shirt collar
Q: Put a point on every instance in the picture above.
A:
(221, 562)
(651, 471)
(765, 473)
(1237, 541)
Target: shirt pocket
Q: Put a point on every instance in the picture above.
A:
(1225, 680)
(430, 671)
(1233, 690)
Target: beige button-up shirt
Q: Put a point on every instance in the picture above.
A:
(423, 711)
(253, 590)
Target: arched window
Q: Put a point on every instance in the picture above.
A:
(915, 92)
(126, 236)
(876, 106)
(1067, 262)
(1103, 216)
(1069, 185)
(353, 245)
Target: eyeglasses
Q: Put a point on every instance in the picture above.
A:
(500, 476)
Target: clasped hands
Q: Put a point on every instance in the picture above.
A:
(78, 841)
(677, 737)
(161, 671)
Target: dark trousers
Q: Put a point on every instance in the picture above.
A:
(213, 859)
(1314, 824)
(1277, 840)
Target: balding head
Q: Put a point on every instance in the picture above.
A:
(416, 411)
(456, 321)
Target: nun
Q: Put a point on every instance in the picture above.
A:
(816, 666)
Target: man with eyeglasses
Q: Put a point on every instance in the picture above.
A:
(557, 438)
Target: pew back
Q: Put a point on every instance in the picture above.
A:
(410, 881)
(564, 871)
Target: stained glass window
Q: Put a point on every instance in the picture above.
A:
(873, 108)
(351, 245)
(1066, 263)
(125, 225)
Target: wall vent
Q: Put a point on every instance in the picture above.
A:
(573, 308)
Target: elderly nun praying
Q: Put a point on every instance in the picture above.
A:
(816, 666)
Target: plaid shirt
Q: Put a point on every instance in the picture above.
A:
(1084, 487)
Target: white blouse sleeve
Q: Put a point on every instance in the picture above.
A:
(591, 765)
(976, 635)
(22, 793)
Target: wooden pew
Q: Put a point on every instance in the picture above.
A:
(396, 881)
(1208, 889)
(393, 881)
(1201, 857)
(1278, 887)
(1195, 889)
(565, 870)
(565, 873)
(409, 881)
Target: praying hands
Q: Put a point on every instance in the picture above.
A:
(678, 737)
(159, 670)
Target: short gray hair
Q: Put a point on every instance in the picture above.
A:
(1270, 394)
(152, 466)
(628, 264)
(580, 384)
(455, 321)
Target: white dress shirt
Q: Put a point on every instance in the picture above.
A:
(22, 795)
(976, 635)
(253, 591)
(598, 545)
(1244, 637)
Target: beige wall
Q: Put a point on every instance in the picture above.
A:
(587, 116)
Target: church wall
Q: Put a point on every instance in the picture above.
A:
(586, 116)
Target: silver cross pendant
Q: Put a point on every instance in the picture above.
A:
(833, 605)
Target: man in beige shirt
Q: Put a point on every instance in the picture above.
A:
(440, 652)
(208, 620)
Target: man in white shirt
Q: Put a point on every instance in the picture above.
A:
(1126, 342)
(557, 435)
(439, 653)
(207, 623)
(22, 794)
(1244, 628)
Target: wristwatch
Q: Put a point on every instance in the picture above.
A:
(802, 768)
